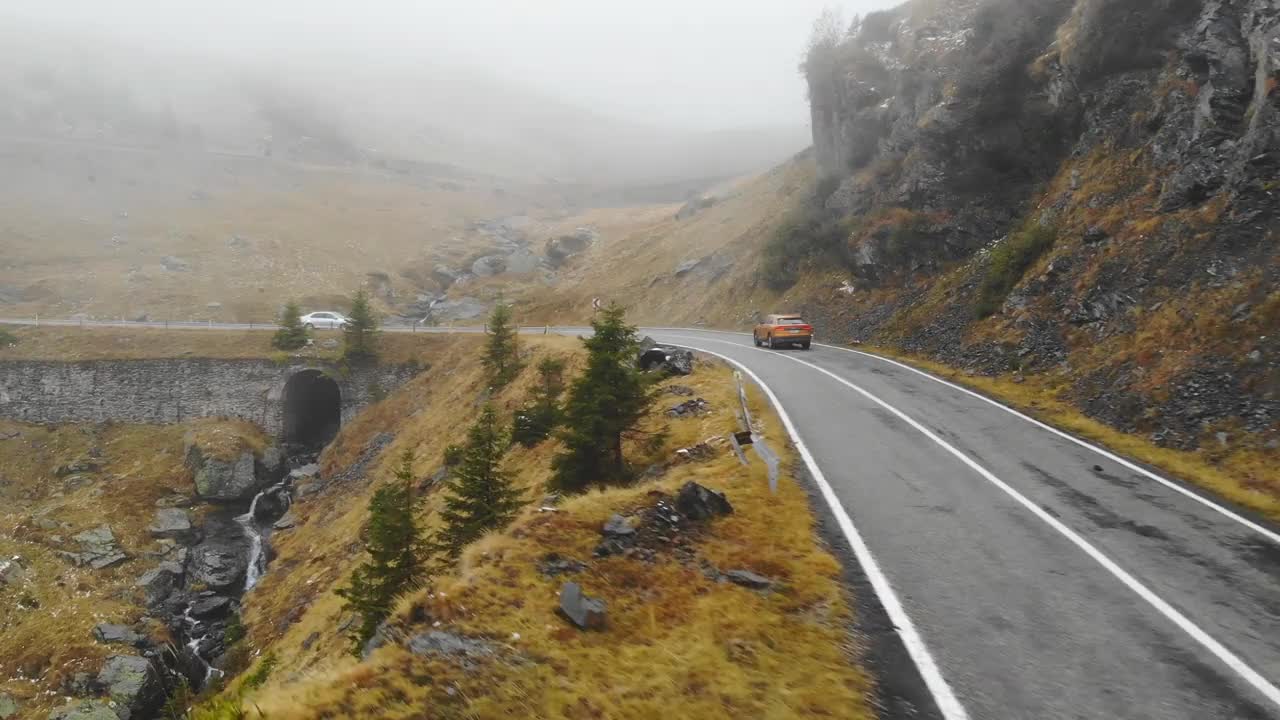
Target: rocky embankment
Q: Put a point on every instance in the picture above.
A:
(208, 547)
(1083, 188)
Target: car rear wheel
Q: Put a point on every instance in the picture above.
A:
(806, 344)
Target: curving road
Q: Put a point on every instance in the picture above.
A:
(1030, 575)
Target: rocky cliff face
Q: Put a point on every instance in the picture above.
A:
(1086, 187)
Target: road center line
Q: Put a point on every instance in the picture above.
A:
(943, 696)
(1228, 658)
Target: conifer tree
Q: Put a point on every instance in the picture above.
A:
(501, 352)
(360, 334)
(534, 422)
(393, 540)
(292, 333)
(481, 497)
(605, 404)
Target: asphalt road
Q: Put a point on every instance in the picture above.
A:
(1028, 574)
(1034, 577)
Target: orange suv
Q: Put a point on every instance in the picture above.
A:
(779, 330)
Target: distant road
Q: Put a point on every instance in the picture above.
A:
(1029, 574)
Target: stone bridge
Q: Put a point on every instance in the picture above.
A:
(296, 401)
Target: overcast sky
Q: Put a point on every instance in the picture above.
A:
(702, 64)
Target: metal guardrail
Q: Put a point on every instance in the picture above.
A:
(214, 325)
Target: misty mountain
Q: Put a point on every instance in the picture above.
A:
(56, 83)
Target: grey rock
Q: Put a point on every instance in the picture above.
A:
(330, 344)
(304, 472)
(175, 264)
(272, 467)
(690, 408)
(1095, 234)
(437, 642)
(554, 564)
(8, 707)
(98, 549)
(687, 266)
(662, 358)
(12, 572)
(697, 502)
(286, 522)
(133, 685)
(210, 606)
(159, 582)
(748, 579)
(463, 308)
(585, 612)
(618, 526)
(84, 710)
(117, 634)
(489, 265)
(695, 206)
(223, 480)
(172, 523)
(221, 559)
(77, 467)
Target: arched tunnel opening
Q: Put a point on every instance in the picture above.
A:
(312, 410)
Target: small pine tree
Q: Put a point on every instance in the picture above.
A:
(481, 497)
(292, 333)
(501, 352)
(605, 404)
(360, 335)
(394, 542)
(534, 422)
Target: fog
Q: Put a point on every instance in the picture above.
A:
(570, 89)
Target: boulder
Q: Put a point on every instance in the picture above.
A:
(437, 642)
(210, 606)
(663, 358)
(172, 523)
(553, 564)
(272, 466)
(98, 549)
(84, 710)
(133, 685)
(223, 480)
(697, 502)
(174, 264)
(304, 472)
(159, 582)
(117, 635)
(285, 523)
(489, 265)
(690, 408)
(220, 561)
(585, 612)
(618, 526)
(271, 504)
(12, 572)
(8, 707)
(748, 579)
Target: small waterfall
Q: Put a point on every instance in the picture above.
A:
(255, 533)
(194, 645)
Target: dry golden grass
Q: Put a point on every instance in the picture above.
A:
(305, 233)
(73, 344)
(635, 261)
(676, 639)
(44, 646)
(1247, 474)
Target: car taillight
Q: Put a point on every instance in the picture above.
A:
(807, 328)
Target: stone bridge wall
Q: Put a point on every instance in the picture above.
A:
(174, 390)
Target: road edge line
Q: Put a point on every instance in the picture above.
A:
(948, 705)
(1119, 460)
(1220, 651)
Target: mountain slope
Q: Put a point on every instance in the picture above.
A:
(1079, 194)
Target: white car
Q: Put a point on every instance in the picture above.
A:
(325, 320)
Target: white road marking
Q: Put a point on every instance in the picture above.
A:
(1228, 658)
(943, 696)
(1225, 512)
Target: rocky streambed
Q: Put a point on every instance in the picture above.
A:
(213, 549)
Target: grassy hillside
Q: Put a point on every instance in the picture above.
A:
(676, 637)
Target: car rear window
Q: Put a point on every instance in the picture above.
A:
(790, 321)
